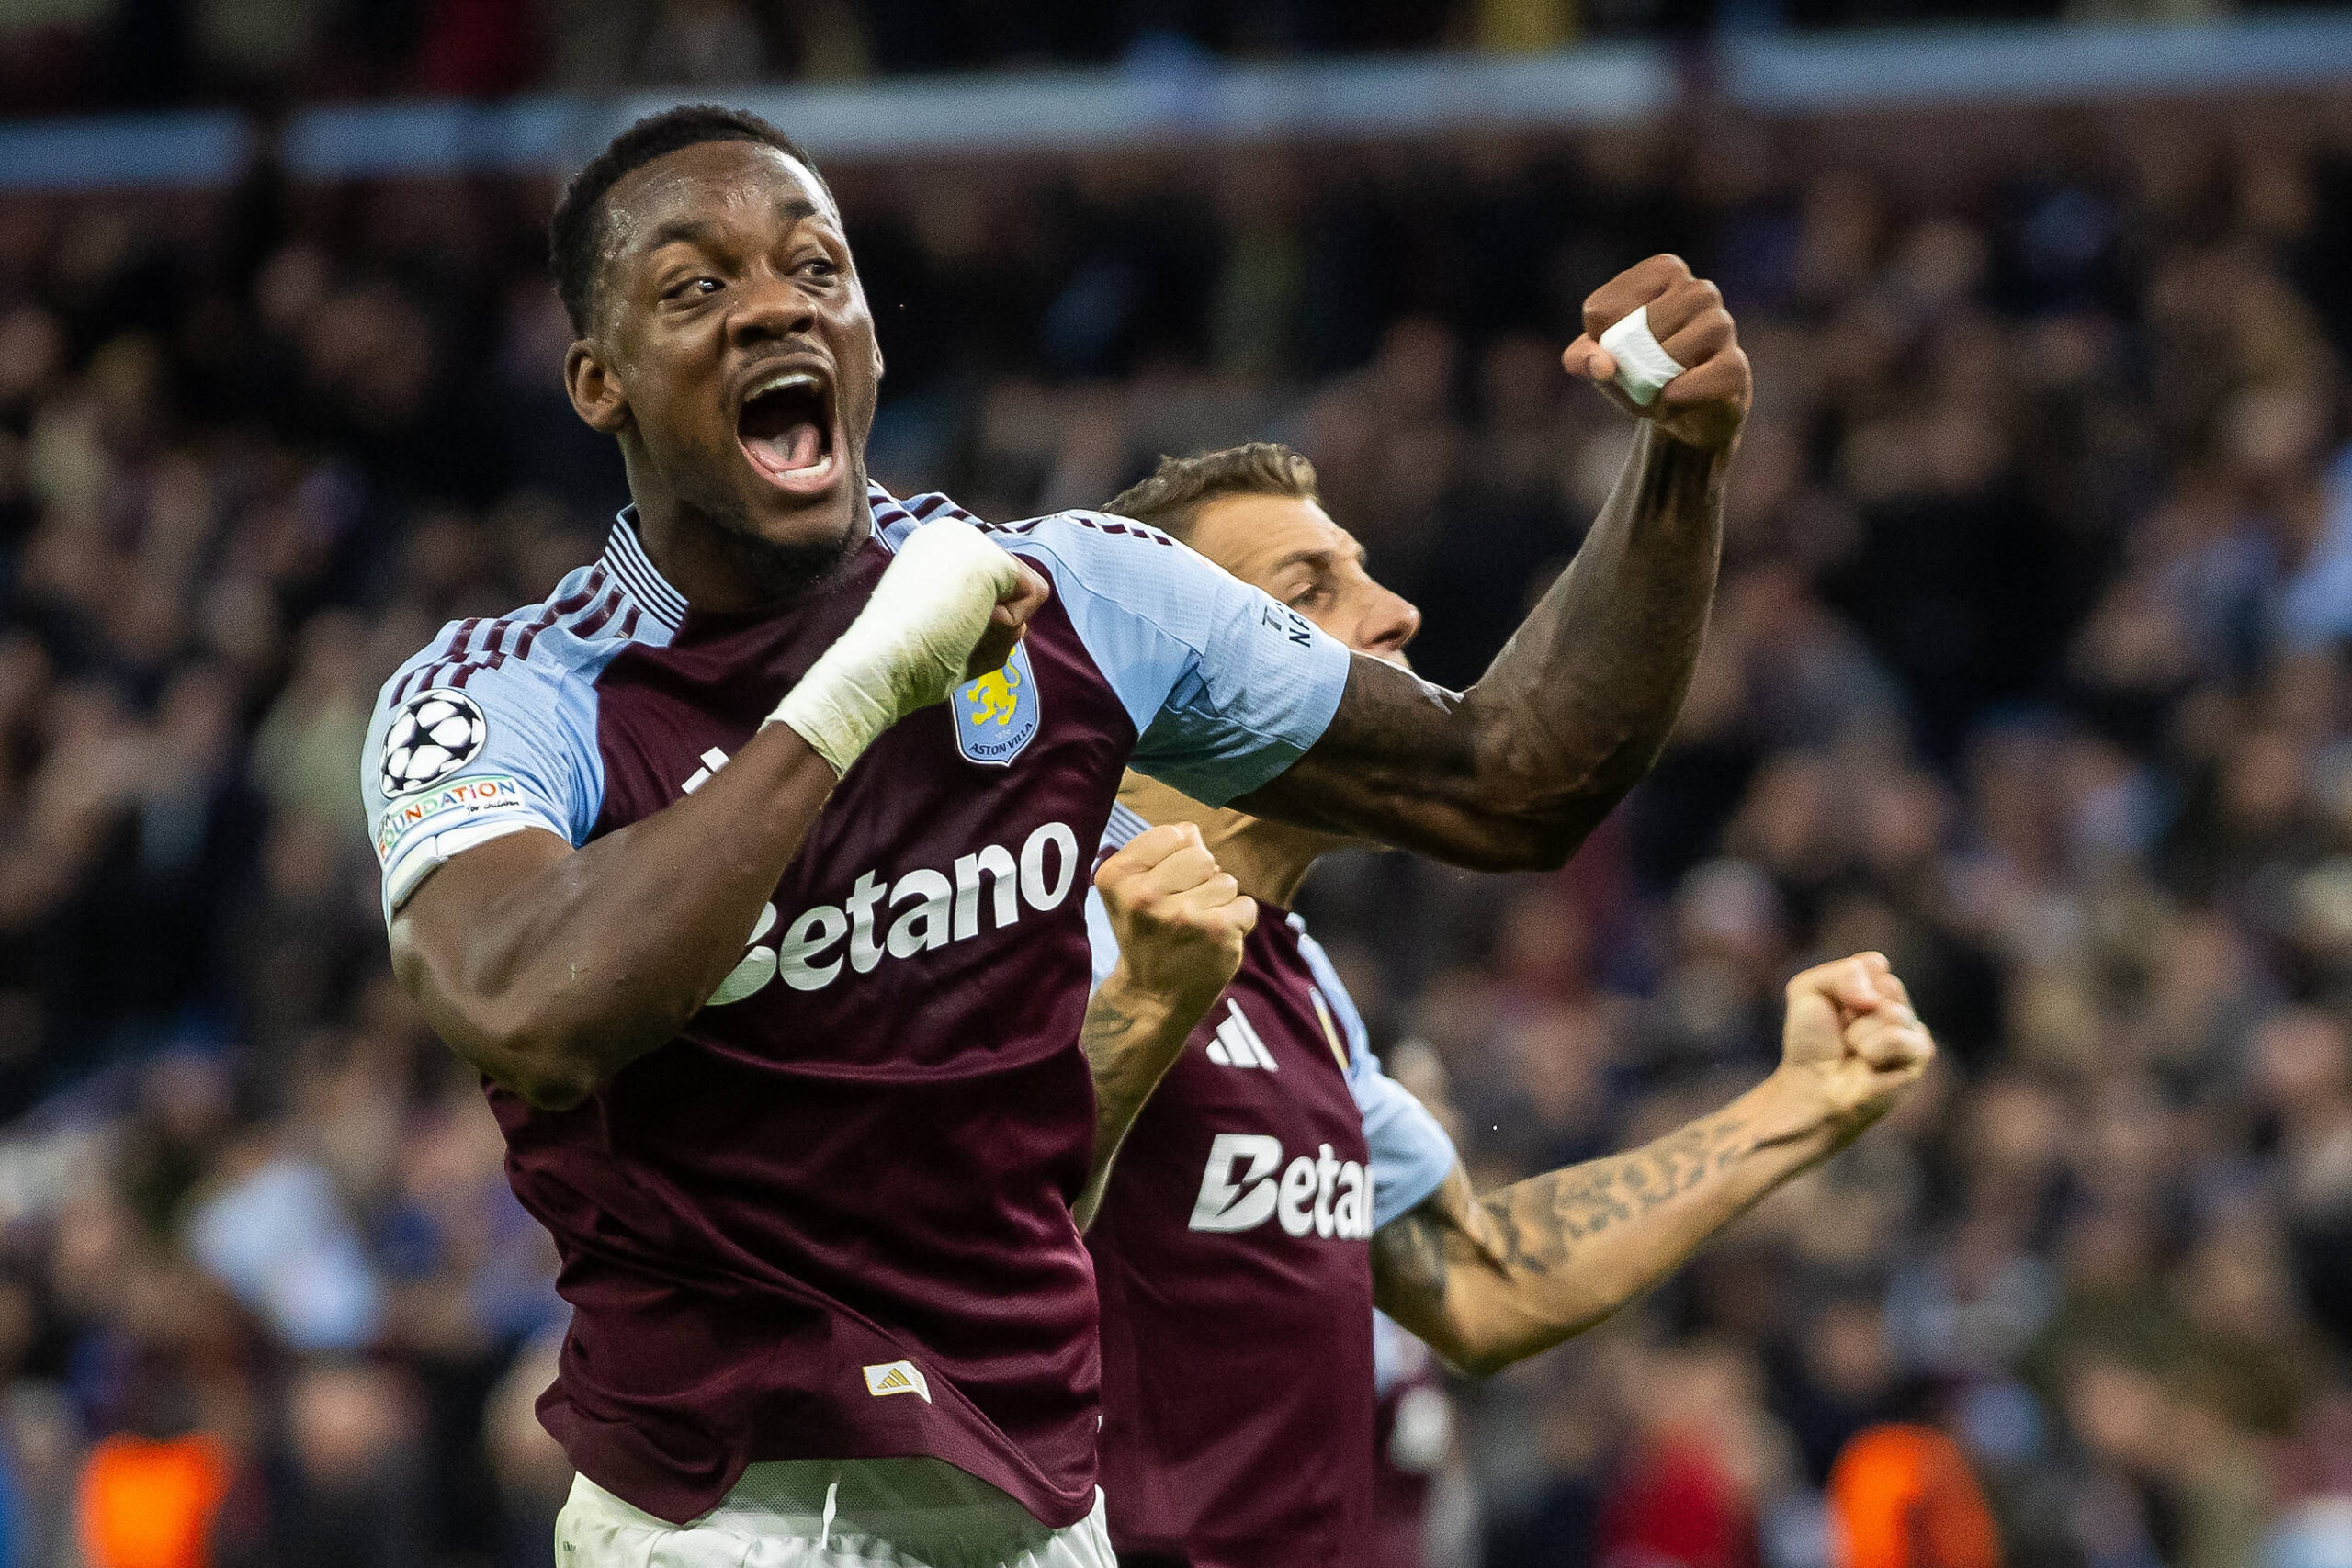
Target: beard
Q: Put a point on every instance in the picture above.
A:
(776, 571)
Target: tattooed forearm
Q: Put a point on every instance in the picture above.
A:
(1518, 770)
(1539, 1220)
(1129, 1046)
(1123, 1078)
(1489, 1279)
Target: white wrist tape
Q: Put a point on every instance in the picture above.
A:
(1643, 368)
(908, 647)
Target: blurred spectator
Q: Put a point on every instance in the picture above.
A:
(84, 54)
(1903, 1497)
(2028, 668)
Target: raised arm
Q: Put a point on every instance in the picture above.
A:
(1490, 1281)
(1515, 772)
(550, 968)
(1181, 921)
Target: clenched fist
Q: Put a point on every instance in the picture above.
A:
(1851, 1042)
(1705, 406)
(1180, 920)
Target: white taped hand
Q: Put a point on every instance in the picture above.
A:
(1643, 368)
(908, 647)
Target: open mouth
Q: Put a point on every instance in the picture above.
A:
(786, 424)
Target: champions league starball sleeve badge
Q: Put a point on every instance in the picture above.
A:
(434, 734)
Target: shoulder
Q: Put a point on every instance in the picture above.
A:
(1107, 570)
(1078, 533)
(1085, 531)
(1096, 543)
(1113, 570)
(530, 655)
(513, 692)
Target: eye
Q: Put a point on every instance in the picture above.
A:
(1314, 596)
(693, 288)
(821, 267)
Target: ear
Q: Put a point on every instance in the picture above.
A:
(878, 359)
(596, 393)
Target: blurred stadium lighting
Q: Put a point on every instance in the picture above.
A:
(1196, 99)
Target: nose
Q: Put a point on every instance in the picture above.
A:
(1390, 623)
(769, 307)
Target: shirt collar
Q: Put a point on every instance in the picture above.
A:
(626, 558)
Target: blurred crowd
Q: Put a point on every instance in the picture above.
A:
(2028, 669)
(69, 55)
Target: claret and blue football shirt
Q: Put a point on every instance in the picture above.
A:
(830, 1219)
(1232, 1252)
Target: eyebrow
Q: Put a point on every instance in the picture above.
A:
(1324, 555)
(684, 230)
(702, 230)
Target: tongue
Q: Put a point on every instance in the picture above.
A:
(796, 446)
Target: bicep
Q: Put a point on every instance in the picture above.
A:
(454, 938)
(1429, 1263)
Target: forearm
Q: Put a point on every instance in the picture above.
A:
(1131, 1038)
(596, 957)
(1577, 705)
(1494, 1281)
(1515, 772)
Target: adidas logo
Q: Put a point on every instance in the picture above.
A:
(1235, 1044)
(896, 1377)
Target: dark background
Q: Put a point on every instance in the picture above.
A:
(2027, 668)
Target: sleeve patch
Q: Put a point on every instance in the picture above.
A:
(433, 735)
(440, 809)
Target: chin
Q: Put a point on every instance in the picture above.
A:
(782, 553)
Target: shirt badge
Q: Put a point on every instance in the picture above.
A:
(998, 715)
(433, 735)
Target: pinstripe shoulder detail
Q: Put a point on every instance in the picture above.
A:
(895, 519)
(1123, 825)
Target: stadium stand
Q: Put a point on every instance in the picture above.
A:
(2028, 669)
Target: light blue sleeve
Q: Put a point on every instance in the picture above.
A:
(1099, 939)
(448, 767)
(1411, 1153)
(1227, 687)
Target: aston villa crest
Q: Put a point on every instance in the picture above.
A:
(997, 714)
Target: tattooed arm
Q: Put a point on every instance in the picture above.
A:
(1515, 771)
(1131, 1039)
(1489, 1281)
(1181, 922)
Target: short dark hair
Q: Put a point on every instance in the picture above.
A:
(1172, 498)
(574, 251)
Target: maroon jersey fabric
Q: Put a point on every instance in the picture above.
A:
(1232, 1252)
(930, 1121)
(830, 1219)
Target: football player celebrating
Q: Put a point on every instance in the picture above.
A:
(1277, 1184)
(747, 867)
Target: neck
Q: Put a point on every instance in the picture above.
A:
(1268, 859)
(724, 567)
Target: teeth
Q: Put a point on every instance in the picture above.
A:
(783, 380)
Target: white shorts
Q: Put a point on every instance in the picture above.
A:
(818, 1513)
